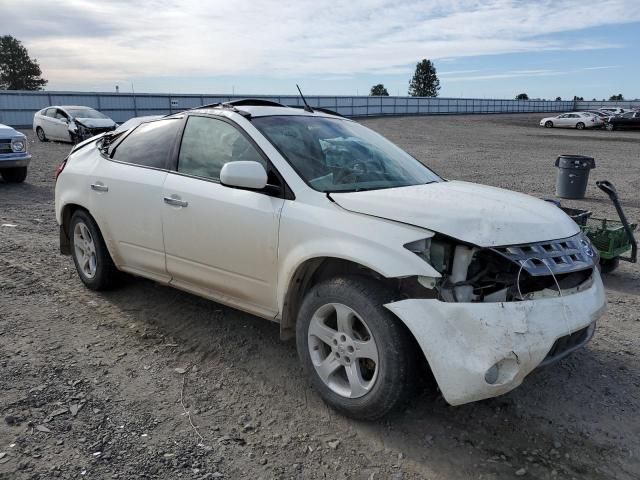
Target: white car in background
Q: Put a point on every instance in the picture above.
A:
(613, 111)
(70, 123)
(579, 120)
(381, 269)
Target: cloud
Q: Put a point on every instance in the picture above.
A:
(101, 41)
(604, 67)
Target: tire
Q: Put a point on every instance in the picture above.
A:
(548, 124)
(371, 389)
(41, 136)
(90, 255)
(580, 126)
(608, 265)
(14, 175)
(610, 127)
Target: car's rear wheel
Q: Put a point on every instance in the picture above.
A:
(14, 175)
(90, 255)
(357, 354)
(548, 124)
(610, 127)
(40, 133)
(580, 126)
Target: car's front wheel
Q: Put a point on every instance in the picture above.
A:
(610, 127)
(90, 255)
(548, 124)
(357, 354)
(14, 175)
(580, 126)
(41, 136)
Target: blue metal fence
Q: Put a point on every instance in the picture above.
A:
(17, 107)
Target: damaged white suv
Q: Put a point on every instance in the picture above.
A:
(375, 263)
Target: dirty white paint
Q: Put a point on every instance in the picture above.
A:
(461, 341)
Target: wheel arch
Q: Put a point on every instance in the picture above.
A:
(314, 270)
(66, 213)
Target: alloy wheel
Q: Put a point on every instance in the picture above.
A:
(343, 351)
(85, 250)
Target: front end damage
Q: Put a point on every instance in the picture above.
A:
(80, 131)
(498, 313)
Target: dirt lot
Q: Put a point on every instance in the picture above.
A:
(96, 386)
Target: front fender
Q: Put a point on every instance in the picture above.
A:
(308, 232)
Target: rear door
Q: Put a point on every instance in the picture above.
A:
(220, 241)
(127, 197)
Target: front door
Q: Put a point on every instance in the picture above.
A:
(221, 242)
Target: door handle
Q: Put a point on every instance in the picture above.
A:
(98, 187)
(176, 202)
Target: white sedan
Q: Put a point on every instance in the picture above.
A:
(579, 120)
(69, 123)
(375, 264)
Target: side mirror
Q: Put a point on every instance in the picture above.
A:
(243, 174)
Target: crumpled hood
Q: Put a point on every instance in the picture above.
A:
(96, 122)
(7, 132)
(477, 214)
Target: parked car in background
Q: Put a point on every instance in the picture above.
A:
(579, 120)
(613, 111)
(14, 155)
(316, 222)
(70, 123)
(599, 113)
(624, 121)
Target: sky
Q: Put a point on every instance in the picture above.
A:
(481, 48)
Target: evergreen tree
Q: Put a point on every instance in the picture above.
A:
(17, 70)
(425, 81)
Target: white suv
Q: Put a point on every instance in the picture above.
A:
(376, 264)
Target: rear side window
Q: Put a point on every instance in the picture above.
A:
(149, 145)
(50, 112)
(208, 143)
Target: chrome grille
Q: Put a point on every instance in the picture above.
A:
(5, 146)
(558, 256)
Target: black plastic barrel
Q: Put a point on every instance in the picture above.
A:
(573, 175)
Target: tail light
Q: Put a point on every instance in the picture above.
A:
(61, 168)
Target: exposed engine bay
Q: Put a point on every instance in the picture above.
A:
(511, 273)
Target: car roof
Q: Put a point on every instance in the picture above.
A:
(67, 106)
(268, 111)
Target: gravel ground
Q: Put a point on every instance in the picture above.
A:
(97, 385)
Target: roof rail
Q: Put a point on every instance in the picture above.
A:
(256, 102)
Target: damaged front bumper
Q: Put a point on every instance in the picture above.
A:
(481, 350)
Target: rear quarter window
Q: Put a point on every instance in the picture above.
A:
(149, 145)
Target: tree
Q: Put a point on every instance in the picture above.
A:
(577, 99)
(522, 96)
(17, 70)
(379, 91)
(558, 99)
(616, 98)
(425, 81)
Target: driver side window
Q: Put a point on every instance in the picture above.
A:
(209, 143)
(60, 115)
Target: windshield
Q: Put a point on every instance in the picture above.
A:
(85, 113)
(333, 155)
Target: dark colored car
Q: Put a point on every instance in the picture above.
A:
(626, 120)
